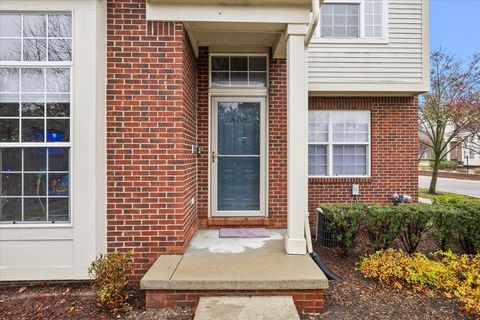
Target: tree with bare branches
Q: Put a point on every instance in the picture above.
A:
(450, 113)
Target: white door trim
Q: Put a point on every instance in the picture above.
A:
(213, 212)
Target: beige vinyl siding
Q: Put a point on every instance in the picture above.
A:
(397, 60)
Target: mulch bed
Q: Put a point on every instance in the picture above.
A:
(353, 298)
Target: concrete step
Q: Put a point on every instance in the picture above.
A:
(246, 308)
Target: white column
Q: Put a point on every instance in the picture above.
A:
(297, 132)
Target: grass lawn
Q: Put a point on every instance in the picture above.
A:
(423, 193)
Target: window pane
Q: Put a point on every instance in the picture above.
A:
(34, 25)
(58, 184)
(58, 209)
(239, 79)
(33, 80)
(10, 50)
(258, 63)
(258, 79)
(59, 50)
(33, 109)
(9, 80)
(11, 184)
(59, 25)
(34, 184)
(318, 126)
(220, 79)
(34, 49)
(9, 109)
(220, 63)
(33, 130)
(9, 130)
(35, 209)
(239, 63)
(373, 18)
(58, 109)
(35, 159)
(58, 130)
(317, 160)
(11, 159)
(58, 159)
(10, 209)
(10, 25)
(339, 21)
(349, 160)
(58, 80)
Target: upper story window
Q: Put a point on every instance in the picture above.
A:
(35, 117)
(353, 19)
(338, 143)
(239, 71)
(340, 21)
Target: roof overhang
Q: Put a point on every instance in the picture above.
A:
(253, 24)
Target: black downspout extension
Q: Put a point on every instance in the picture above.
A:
(328, 273)
(315, 257)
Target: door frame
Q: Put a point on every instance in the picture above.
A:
(246, 96)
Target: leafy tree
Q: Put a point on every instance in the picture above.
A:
(450, 113)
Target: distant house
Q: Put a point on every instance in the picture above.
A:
(131, 124)
(466, 152)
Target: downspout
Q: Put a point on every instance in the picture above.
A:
(313, 21)
(312, 26)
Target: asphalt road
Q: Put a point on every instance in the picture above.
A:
(466, 187)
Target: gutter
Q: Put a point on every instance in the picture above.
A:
(314, 21)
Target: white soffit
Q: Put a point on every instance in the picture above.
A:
(229, 11)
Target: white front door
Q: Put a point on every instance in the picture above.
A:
(238, 147)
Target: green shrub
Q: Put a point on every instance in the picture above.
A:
(445, 165)
(344, 220)
(454, 199)
(111, 273)
(415, 222)
(453, 275)
(383, 225)
(459, 222)
(467, 227)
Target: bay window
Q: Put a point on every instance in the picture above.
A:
(353, 19)
(338, 143)
(35, 117)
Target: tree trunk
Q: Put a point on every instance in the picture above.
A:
(433, 182)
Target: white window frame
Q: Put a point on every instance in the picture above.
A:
(211, 55)
(361, 39)
(47, 65)
(330, 144)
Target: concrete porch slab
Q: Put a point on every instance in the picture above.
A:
(213, 263)
(246, 308)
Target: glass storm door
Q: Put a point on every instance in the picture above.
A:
(237, 158)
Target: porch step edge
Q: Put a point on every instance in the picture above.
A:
(158, 284)
(161, 271)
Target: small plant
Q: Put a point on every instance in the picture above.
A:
(111, 274)
(344, 220)
(415, 223)
(456, 276)
(383, 225)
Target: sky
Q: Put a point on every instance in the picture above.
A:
(455, 26)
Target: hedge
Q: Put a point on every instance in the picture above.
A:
(452, 222)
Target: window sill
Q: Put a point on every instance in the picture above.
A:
(338, 180)
(34, 225)
(350, 41)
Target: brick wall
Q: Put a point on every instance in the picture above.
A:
(394, 151)
(277, 144)
(151, 124)
(306, 300)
